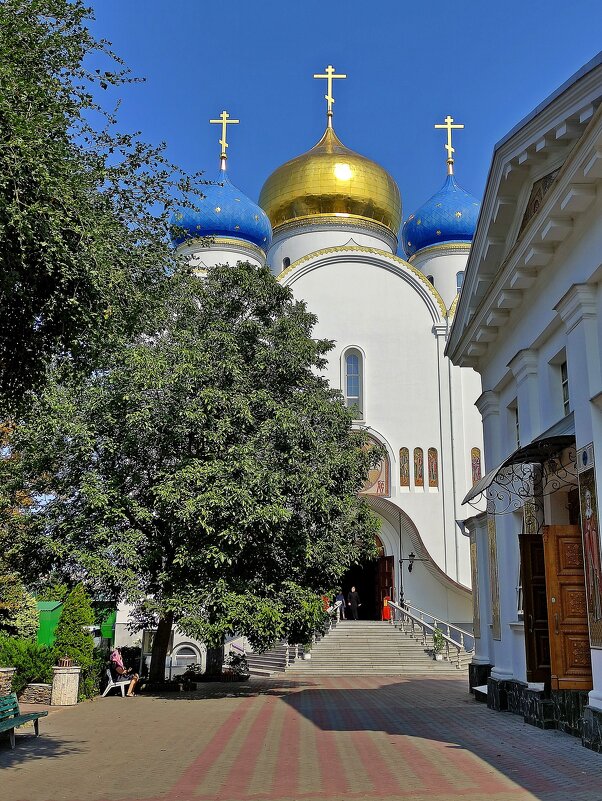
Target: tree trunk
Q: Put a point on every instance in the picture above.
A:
(215, 660)
(160, 646)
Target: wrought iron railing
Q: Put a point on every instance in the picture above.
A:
(465, 638)
(420, 629)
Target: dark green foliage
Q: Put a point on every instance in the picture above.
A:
(56, 591)
(84, 208)
(208, 472)
(33, 662)
(18, 609)
(73, 638)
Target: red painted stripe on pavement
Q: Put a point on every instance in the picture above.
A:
(285, 780)
(194, 773)
(235, 783)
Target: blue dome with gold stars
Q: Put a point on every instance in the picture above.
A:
(449, 216)
(224, 212)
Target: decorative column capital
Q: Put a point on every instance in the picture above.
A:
(488, 403)
(440, 329)
(577, 304)
(524, 364)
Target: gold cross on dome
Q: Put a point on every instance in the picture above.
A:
(449, 126)
(329, 76)
(224, 121)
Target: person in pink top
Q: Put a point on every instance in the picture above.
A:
(122, 674)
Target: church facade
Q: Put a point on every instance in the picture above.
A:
(327, 223)
(529, 321)
(334, 218)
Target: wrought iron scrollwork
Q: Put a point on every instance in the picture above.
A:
(520, 483)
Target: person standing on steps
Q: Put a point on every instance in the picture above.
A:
(340, 600)
(353, 601)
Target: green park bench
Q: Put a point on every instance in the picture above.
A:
(11, 717)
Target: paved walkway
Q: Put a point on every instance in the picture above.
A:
(332, 739)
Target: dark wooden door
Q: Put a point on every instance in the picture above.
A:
(384, 582)
(567, 609)
(533, 579)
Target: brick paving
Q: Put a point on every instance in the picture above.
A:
(329, 739)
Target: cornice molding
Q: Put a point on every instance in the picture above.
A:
(193, 246)
(315, 223)
(488, 403)
(443, 249)
(572, 193)
(523, 365)
(577, 304)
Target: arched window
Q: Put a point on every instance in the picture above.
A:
(186, 655)
(433, 467)
(459, 280)
(430, 279)
(404, 467)
(353, 389)
(418, 467)
(286, 262)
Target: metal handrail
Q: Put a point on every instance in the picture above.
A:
(422, 624)
(449, 627)
(292, 649)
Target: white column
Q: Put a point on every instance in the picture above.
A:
(483, 653)
(524, 369)
(447, 478)
(488, 404)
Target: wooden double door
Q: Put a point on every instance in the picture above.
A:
(384, 583)
(555, 609)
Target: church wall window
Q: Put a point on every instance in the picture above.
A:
(418, 467)
(433, 467)
(430, 279)
(475, 464)
(459, 280)
(354, 382)
(404, 467)
(564, 383)
(286, 262)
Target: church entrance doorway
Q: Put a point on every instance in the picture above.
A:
(373, 582)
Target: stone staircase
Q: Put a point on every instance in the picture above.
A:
(268, 662)
(372, 648)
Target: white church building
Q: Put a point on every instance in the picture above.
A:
(529, 320)
(327, 223)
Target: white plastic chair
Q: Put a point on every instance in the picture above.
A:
(112, 684)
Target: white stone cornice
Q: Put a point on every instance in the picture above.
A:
(440, 329)
(523, 365)
(577, 304)
(488, 403)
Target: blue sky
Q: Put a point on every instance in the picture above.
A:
(488, 64)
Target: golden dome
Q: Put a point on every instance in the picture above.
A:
(331, 181)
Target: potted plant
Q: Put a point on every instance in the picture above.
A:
(307, 650)
(438, 644)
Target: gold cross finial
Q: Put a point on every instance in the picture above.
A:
(329, 76)
(224, 121)
(449, 126)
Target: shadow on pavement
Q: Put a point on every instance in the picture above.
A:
(29, 747)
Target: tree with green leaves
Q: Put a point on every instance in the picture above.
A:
(18, 608)
(207, 474)
(73, 638)
(84, 208)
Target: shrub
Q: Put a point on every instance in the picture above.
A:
(438, 641)
(74, 639)
(33, 662)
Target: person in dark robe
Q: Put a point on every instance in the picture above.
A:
(353, 601)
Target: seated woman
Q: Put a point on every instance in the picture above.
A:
(122, 674)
